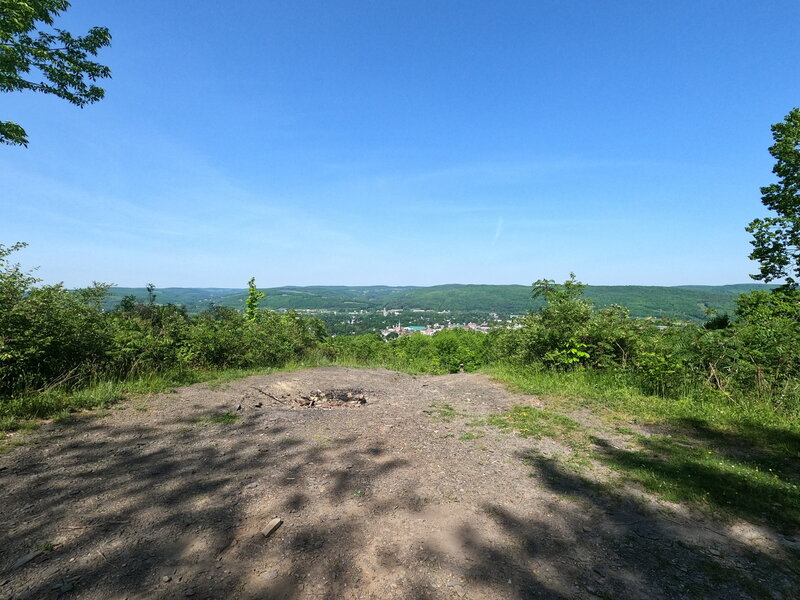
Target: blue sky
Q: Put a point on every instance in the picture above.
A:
(406, 143)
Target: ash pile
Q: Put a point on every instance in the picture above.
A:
(333, 399)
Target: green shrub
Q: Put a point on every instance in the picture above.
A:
(51, 337)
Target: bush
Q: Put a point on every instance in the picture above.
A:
(51, 336)
(444, 352)
(751, 358)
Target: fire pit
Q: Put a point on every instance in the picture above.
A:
(333, 398)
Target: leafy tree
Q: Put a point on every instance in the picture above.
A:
(776, 240)
(56, 57)
(127, 304)
(254, 296)
(151, 294)
(552, 292)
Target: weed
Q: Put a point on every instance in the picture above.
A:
(7, 446)
(218, 419)
(45, 546)
(530, 421)
(442, 411)
(466, 436)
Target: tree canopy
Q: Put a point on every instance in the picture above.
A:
(776, 240)
(36, 56)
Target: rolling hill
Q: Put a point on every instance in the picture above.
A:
(681, 302)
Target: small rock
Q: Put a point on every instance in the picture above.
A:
(714, 551)
(271, 527)
(166, 579)
(271, 574)
(238, 407)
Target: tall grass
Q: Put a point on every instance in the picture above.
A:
(619, 393)
(19, 412)
(734, 459)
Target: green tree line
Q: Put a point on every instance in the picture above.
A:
(53, 337)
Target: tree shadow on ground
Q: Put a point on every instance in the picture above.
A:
(753, 474)
(127, 510)
(177, 511)
(768, 447)
(645, 551)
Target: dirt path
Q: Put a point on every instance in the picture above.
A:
(381, 500)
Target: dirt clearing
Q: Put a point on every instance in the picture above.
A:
(386, 486)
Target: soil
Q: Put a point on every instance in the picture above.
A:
(380, 494)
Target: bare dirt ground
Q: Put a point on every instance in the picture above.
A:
(162, 498)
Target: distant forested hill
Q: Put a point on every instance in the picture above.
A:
(683, 302)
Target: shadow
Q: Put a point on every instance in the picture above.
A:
(767, 447)
(624, 547)
(115, 511)
(753, 474)
(178, 510)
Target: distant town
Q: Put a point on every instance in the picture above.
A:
(396, 322)
(399, 330)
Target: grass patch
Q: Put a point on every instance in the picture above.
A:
(217, 379)
(58, 403)
(728, 458)
(403, 364)
(529, 421)
(683, 469)
(9, 445)
(468, 435)
(45, 546)
(617, 397)
(18, 412)
(218, 419)
(441, 411)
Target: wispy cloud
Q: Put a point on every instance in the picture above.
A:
(498, 230)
